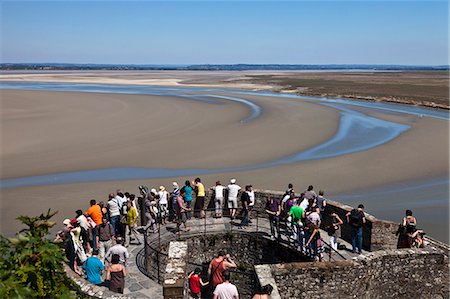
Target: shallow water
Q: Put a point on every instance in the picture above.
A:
(428, 199)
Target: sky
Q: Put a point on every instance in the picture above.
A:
(213, 32)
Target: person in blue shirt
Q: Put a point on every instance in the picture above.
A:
(188, 198)
(94, 267)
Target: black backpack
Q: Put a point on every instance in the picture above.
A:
(355, 218)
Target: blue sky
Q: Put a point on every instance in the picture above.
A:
(184, 32)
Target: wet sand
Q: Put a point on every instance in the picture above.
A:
(49, 132)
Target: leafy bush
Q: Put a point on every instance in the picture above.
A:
(31, 266)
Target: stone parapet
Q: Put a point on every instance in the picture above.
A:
(175, 274)
(403, 273)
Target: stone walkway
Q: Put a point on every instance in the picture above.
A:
(136, 283)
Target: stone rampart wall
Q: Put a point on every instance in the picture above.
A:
(402, 273)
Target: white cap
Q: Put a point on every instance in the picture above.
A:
(66, 221)
(233, 181)
(153, 191)
(175, 185)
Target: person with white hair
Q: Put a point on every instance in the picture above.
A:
(120, 250)
(233, 191)
(173, 200)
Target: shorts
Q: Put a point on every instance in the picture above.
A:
(232, 203)
(163, 210)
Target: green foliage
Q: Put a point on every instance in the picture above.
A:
(31, 265)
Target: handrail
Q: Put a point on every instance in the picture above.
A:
(153, 245)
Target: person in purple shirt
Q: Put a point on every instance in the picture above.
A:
(273, 208)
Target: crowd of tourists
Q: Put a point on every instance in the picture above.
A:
(96, 240)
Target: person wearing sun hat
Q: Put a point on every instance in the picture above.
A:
(69, 246)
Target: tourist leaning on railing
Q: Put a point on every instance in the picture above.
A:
(218, 190)
(356, 219)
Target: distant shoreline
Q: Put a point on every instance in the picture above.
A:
(216, 67)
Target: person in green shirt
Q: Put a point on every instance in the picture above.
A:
(297, 214)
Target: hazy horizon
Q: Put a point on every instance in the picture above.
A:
(225, 64)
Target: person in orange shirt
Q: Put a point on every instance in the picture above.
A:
(95, 212)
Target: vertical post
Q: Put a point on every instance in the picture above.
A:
(157, 265)
(204, 226)
(231, 226)
(145, 250)
(257, 221)
(159, 251)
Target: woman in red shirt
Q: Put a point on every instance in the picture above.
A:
(195, 281)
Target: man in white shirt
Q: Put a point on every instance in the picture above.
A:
(114, 214)
(304, 203)
(226, 290)
(120, 250)
(251, 194)
(163, 203)
(218, 198)
(120, 198)
(233, 191)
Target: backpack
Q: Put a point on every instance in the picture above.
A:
(355, 218)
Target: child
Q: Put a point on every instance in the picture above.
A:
(194, 283)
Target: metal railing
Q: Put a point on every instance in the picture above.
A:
(151, 261)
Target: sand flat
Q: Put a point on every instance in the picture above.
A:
(60, 132)
(46, 132)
